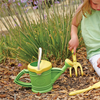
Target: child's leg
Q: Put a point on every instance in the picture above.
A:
(93, 61)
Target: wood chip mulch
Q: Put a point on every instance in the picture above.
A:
(61, 88)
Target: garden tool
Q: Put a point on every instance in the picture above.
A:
(42, 75)
(95, 86)
(74, 64)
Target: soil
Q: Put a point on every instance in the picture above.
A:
(61, 88)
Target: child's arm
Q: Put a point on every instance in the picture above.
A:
(73, 43)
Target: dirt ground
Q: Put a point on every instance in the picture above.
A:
(61, 88)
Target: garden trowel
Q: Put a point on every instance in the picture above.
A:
(95, 86)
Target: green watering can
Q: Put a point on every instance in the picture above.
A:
(42, 75)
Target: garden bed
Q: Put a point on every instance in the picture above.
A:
(61, 88)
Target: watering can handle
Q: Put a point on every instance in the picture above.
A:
(20, 82)
(39, 57)
(74, 56)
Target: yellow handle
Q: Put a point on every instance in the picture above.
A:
(80, 91)
(74, 56)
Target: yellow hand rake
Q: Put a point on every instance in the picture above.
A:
(74, 64)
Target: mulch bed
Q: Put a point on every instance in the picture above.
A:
(61, 88)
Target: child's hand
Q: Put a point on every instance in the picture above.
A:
(98, 63)
(73, 43)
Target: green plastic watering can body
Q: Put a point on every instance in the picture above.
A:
(39, 83)
(43, 82)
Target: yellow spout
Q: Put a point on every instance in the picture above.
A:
(69, 62)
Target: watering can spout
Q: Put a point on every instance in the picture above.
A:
(56, 73)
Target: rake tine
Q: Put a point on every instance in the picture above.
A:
(70, 71)
(75, 68)
(80, 68)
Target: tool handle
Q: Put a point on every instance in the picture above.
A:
(80, 91)
(74, 56)
(39, 57)
(17, 81)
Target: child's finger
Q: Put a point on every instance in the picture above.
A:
(70, 48)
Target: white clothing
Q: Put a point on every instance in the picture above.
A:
(93, 61)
